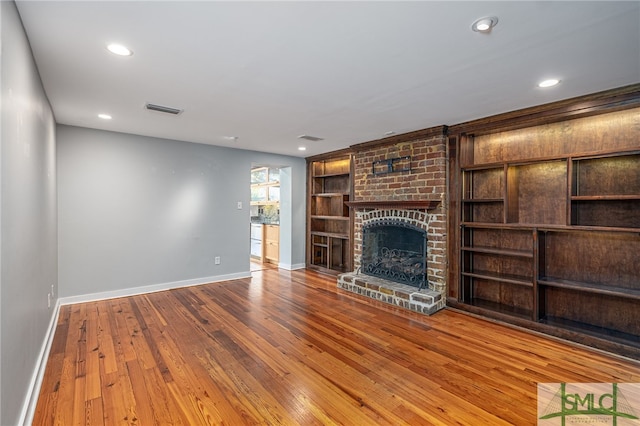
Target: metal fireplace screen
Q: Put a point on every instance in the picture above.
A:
(395, 251)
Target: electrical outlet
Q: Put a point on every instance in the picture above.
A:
(217, 260)
(48, 300)
(239, 205)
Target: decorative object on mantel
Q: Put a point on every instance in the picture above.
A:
(391, 165)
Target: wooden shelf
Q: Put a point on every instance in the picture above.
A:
(591, 288)
(608, 334)
(483, 200)
(501, 252)
(503, 278)
(330, 234)
(583, 228)
(331, 194)
(547, 227)
(325, 217)
(490, 225)
(501, 308)
(325, 175)
(481, 167)
(604, 197)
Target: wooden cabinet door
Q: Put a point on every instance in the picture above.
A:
(271, 243)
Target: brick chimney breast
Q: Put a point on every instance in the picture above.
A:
(424, 182)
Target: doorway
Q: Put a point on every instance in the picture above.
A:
(265, 216)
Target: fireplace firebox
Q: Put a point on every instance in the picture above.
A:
(396, 251)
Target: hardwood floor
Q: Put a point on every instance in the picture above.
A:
(289, 348)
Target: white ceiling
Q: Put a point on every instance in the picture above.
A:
(348, 72)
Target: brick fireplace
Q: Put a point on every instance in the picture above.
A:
(401, 179)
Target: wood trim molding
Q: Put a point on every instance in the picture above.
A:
(330, 155)
(405, 137)
(398, 204)
(583, 106)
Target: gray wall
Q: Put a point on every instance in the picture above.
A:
(126, 211)
(137, 211)
(28, 259)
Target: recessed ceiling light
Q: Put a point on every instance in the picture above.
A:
(104, 116)
(231, 138)
(118, 49)
(389, 133)
(484, 25)
(302, 148)
(549, 83)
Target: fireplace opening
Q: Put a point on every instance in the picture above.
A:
(396, 251)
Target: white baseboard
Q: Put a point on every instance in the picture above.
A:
(290, 267)
(31, 399)
(92, 297)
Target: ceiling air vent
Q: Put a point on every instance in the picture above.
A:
(310, 138)
(161, 108)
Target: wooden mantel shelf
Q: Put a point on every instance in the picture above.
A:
(398, 204)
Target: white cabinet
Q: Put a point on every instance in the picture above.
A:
(256, 240)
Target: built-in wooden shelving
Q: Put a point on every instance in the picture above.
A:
(328, 216)
(548, 226)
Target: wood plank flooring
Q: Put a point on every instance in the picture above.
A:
(288, 348)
